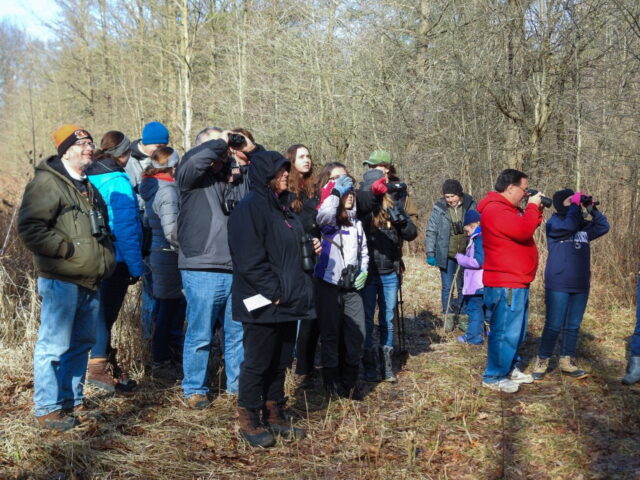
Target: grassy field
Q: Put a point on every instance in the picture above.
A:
(437, 422)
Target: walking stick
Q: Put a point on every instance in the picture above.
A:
(402, 339)
(457, 307)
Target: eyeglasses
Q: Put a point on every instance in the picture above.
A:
(85, 143)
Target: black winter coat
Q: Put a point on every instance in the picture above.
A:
(265, 243)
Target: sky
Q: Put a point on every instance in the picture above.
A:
(30, 15)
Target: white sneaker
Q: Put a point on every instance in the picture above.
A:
(520, 377)
(504, 385)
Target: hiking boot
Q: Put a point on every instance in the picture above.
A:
(278, 422)
(540, 367)
(349, 381)
(633, 371)
(505, 385)
(252, 430)
(386, 364)
(463, 322)
(331, 382)
(100, 376)
(370, 368)
(449, 321)
(568, 367)
(198, 402)
(59, 421)
(519, 377)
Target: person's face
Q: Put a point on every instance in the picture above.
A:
(567, 202)
(80, 155)
(515, 193)
(452, 199)
(302, 163)
(282, 180)
(470, 228)
(336, 173)
(349, 199)
(151, 148)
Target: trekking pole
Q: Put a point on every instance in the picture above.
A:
(402, 338)
(453, 284)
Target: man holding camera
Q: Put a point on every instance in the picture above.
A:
(208, 194)
(510, 264)
(63, 221)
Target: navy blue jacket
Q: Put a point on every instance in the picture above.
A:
(568, 264)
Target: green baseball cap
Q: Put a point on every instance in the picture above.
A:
(377, 157)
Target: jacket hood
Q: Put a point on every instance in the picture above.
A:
(104, 165)
(263, 168)
(369, 177)
(136, 152)
(492, 197)
(148, 188)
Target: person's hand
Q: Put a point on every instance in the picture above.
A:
(379, 187)
(431, 261)
(317, 246)
(343, 185)
(536, 199)
(361, 279)
(576, 197)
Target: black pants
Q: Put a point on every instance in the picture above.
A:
(341, 322)
(167, 334)
(308, 335)
(268, 350)
(112, 293)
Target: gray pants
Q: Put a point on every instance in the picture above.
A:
(341, 322)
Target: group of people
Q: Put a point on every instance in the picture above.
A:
(499, 261)
(259, 245)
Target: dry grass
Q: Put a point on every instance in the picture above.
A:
(435, 423)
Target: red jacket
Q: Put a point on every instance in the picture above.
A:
(510, 254)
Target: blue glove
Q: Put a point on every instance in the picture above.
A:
(343, 185)
(361, 279)
(431, 261)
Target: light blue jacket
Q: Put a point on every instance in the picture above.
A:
(124, 219)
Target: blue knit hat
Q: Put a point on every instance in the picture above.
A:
(471, 216)
(155, 132)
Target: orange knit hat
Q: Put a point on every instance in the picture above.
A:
(66, 135)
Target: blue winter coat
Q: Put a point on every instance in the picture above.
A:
(115, 187)
(568, 264)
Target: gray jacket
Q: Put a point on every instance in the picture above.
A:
(436, 243)
(161, 211)
(202, 222)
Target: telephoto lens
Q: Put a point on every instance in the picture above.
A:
(236, 140)
(546, 202)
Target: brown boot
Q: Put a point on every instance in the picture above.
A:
(568, 367)
(58, 420)
(100, 376)
(278, 422)
(252, 430)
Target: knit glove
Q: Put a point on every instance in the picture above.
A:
(431, 261)
(379, 187)
(343, 185)
(575, 198)
(361, 279)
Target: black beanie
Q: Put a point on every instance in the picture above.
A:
(559, 197)
(452, 186)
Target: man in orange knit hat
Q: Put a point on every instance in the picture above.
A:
(63, 221)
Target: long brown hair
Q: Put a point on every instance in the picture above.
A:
(381, 216)
(299, 183)
(111, 139)
(160, 156)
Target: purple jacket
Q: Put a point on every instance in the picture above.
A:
(472, 268)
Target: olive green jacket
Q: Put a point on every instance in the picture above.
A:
(55, 213)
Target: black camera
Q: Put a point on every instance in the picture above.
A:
(348, 277)
(228, 206)
(236, 140)
(396, 187)
(99, 226)
(546, 202)
(308, 253)
(398, 216)
(457, 227)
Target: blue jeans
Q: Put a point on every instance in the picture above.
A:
(149, 304)
(476, 311)
(68, 318)
(446, 276)
(509, 309)
(384, 289)
(208, 302)
(564, 313)
(635, 339)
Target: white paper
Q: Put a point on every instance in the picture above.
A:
(256, 302)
